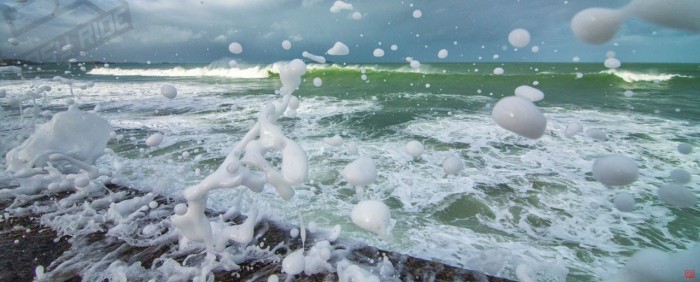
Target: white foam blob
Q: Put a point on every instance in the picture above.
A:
(339, 6)
(356, 16)
(378, 52)
(624, 202)
(680, 176)
(677, 195)
(372, 215)
(596, 134)
(612, 63)
(293, 263)
(339, 49)
(519, 37)
(334, 141)
(680, 14)
(628, 93)
(154, 140)
(615, 170)
(498, 71)
(362, 171)
(318, 82)
(685, 148)
(286, 45)
(351, 146)
(596, 25)
(442, 54)
(575, 59)
(394, 47)
(232, 63)
(235, 48)
(452, 164)
(414, 148)
(535, 49)
(520, 116)
(529, 92)
(573, 129)
(168, 91)
(415, 64)
(318, 59)
(417, 14)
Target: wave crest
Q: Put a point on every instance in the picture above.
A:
(630, 76)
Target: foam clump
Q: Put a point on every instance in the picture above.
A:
(414, 148)
(519, 37)
(680, 176)
(442, 54)
(362, 171)
(338, 49)
(293, 263)
(529, 92)
(677, 195)
(656, 265)
(378, 53)
(624, 201)
(168, 91)
(615, 170)
(628, 93)
(685, 148)
(339, 6)
(612, 63)
(417, 14)
(154, 140)
(573, 129)
(316, 259)
(679, 14)
(520, 116)
(372, 215)
(498, 71)
(356, 16)
(596, 25)
(334, 141)
(348, 272)
(316, 58)
(235, 48)
(452, 165)
(286, 45)
(415, 64)
(76, 136)
(318, 82)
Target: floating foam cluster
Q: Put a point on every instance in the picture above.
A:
(612, 63)
(339, 6)
(520, 116)
(414, 148)
(677, 195)
(529, 92)
(339, 49)
(361, 171)
(74, 136)
(316, 58)
(235, 48)
(378, 53)
(519, 37)
(168, 91)
(615, 170)
(372, 215)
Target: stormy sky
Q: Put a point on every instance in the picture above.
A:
(200, 31)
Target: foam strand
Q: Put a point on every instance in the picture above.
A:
(263, 137)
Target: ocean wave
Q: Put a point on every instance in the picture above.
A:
(630, 76)
(244, 72)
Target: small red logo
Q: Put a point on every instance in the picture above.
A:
(689, 274)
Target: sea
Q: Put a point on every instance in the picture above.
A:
(516, 202)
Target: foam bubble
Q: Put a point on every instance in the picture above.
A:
(372, 215)
(378, 52)
(362, 171)
(596, 25)
(520, 116)
(357, 16)
(612, 63)
(154, 140)
(529, 92)
(414, 148)
(417, 14)
(519, 37)
(677, 195)
(318, 82)
(318, 59)
(624, 202)
(339, 6)
(452, 164)
(596, 134)
(573, 129)
(680, 176)
(680, 14)
(535, 49)
(415, 64)
(394, 47)
(286, 45)
(235, 48)
(628, 93)
(685, 148)
(232, 63)
(168, 91)
(339, 49)
(615, 170)
(498, 71)
(442, 54)
(293, 263)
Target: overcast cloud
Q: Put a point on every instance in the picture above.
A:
(200, 31)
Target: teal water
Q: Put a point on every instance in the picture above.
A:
(517, 201)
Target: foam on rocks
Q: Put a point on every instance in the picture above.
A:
(615, 170)
(235, 48)
(339, 6)
(677, 195)
(339, 49)
(316, 58)
(154, 140)
(168, 91)
(414, 149)
(70, 140)
(529, 92)
(372, 215)
(519, 37)
(520, 116)
(452, 165)
(362, 171)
